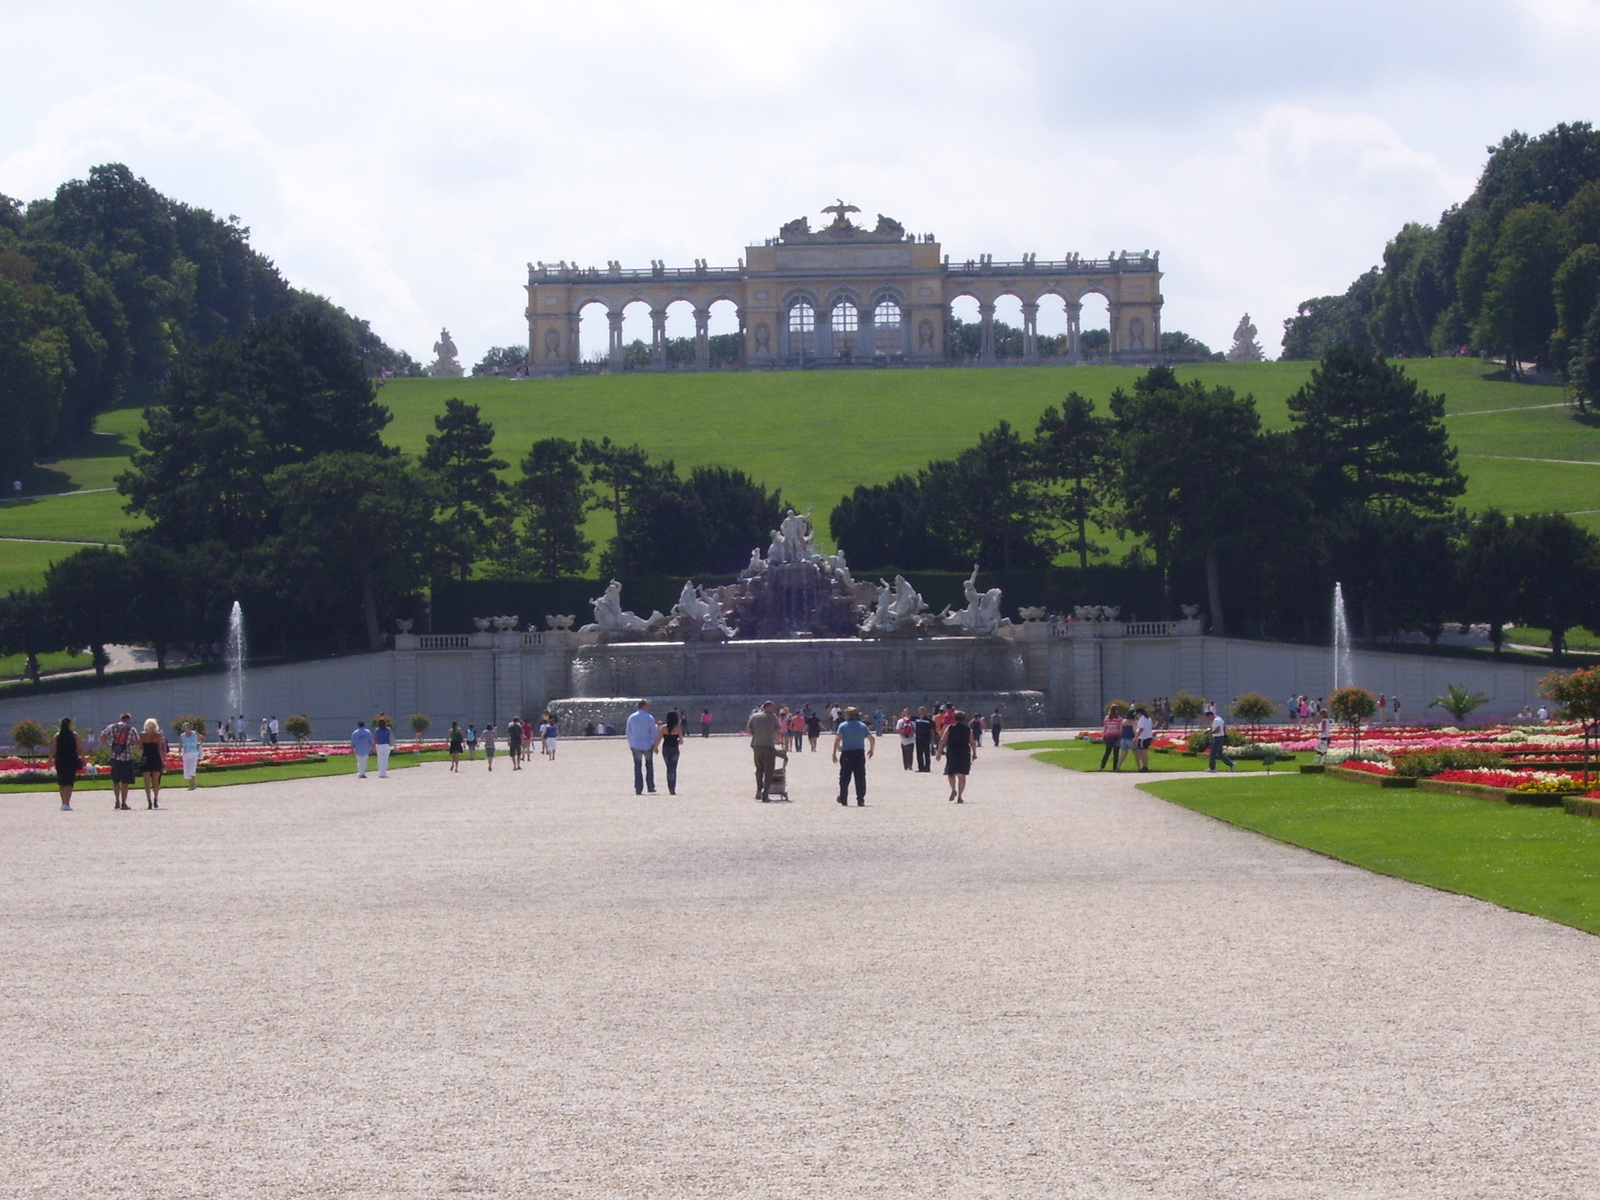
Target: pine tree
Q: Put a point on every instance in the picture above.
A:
(461, 455)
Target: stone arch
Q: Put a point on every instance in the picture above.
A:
(1085, 322)
(798, 317)
(1012, 310)
(1052, 324)
(888, 318)
(594, 329)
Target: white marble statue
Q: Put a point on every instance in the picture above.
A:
(841, 571)
(701, 607)
(609, 616)
(896, 607)
(982, 613)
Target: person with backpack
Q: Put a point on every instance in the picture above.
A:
(120, 736)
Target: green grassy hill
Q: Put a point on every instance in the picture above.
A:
(816, 434)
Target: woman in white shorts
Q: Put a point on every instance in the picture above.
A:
(551, 730)
(189, 751)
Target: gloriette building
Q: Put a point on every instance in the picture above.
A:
(844, 295)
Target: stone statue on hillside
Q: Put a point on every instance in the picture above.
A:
(1245, 348)
(445, 365)
(982, 613)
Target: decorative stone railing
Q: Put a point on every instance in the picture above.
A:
(438, 641)
(1139, 629)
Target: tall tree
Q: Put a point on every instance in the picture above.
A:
(86, 591)
(890, 525)
(553, 497)
(1518, 311)
(616, 473)
(1488, 573)
(461, 454)
(732, 514)
(356, 533)
(29, 627)
(1560, 575)
(1368, 435)
(1069, 446)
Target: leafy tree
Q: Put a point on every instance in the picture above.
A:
(298, 727)
(616, 472)
(1559, 574)
(551, 499)
(28, 736)
(1409, 293)
(1577, 295)
(503, 360)
(732, 515)
(1351, 706)
(891, 524)
(1322, 323)
(1488, 571)
(419, 724)
(1189, 460)
(30, 627)
(1069, 447)
(1459, 702)
(660, 523)
(87, 591)
(990, 510)
(1369, 435)
(290, 389)
(1585, 366)
(1177, 344)
(1517, 315)
(1578, 694)
(1253, 707)
(356, 533)
(461, 455)
(1186, 706)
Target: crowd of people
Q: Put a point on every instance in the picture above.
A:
(136, 752)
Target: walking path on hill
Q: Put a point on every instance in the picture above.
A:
(534, 983)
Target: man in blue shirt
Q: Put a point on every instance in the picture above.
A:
(361, 745)
(643, 737)
(853, 744)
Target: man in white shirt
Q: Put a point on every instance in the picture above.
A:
(1144, 732)
(1219, 743)
(644, 735)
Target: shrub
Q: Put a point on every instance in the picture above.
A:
(1560, 783)
(420, 723)
(1423, 764)
(199, 723)
(1199, 741)
(298, 727)
(1186, 706)
(1351, 706)
(28, 736)
(1459, 702)
(1253, 707)
(1118, 708)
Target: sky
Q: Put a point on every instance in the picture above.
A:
(407, 160)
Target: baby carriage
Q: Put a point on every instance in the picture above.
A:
(778, 784)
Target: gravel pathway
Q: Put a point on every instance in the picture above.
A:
(537, 984)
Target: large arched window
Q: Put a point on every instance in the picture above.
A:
(844, 322)
(802, 328)
(886, 327)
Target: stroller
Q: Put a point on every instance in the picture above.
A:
(778, 784)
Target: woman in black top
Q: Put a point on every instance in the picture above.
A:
(152, 761)
(69, 761)
(958, 748)
(671, 746)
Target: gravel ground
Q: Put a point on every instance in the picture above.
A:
(537, 984)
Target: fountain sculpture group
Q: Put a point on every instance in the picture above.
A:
(794, 591)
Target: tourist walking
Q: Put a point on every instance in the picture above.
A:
(994, 727)
(552, 731)
(813, 727)
(472, 741)
(853, 744)
(705, 722)
(924, 739)
(361, 747)
(671, 747)
(1324, 736)
(907, 729)
(383, 742)
(1219, 743)
(958, 747)
(272, 730)
(119, 737)
(1144, 732)
(643, 737)
(488, 743)
(69, 761)
(797, 732)
(1125, 741)
(764, 733)
(514, 743)
(457, 744)
(189, 753)
(1111, 737)
(152, 761)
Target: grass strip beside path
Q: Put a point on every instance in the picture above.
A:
(1533, 860)
(341, 764)
(1085, 756)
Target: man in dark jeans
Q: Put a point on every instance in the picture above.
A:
(924, 729)
(853, 744)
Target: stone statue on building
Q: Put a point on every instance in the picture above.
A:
(1245, 348)
(982, 613)
(889, 227)
(445, 365)
(841, 215)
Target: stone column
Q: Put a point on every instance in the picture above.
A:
(866, 335)
(1114, 319)
(658, 339)
(1030, 333)
(702, 339)
(823, 336)
(1074, 314)
(986, 337)
(615, 320)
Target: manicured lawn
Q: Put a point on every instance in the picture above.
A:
(23, 564)
(1085, 756)
(75, 517)
(49, 664)
(1533, 860)
(341, 765)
